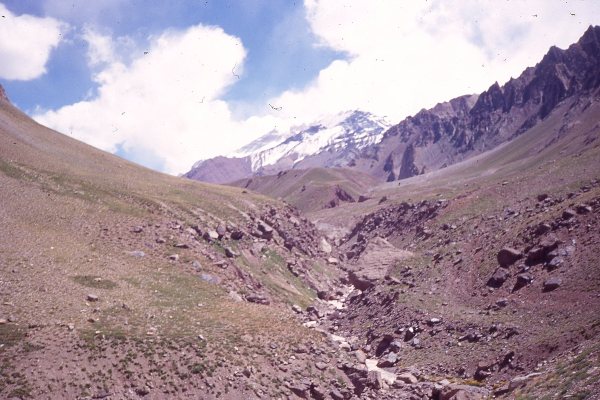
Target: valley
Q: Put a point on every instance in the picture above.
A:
(375, 275)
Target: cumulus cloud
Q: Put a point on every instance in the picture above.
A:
(165, 108)
(165, 102)
(26, 42)
(404, 56)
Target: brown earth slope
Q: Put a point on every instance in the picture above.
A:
(119, 282)
(312, 189)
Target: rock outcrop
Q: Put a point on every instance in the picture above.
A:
(472, 124)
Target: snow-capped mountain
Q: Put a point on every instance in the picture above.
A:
(335, 141)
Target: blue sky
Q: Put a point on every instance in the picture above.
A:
(166, 83)
(280, 53)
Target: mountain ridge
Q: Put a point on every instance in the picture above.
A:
(328, 142)
(454, 130)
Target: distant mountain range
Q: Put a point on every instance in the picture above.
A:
(432, 139)
(331, 142)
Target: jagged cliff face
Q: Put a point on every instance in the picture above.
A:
(469, 125)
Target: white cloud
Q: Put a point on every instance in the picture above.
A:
(399, 57)
(166, 101)
(404, 56)
(26, 42)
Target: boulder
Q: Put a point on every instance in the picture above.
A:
(552, 284)
(237, 235)
(210, 236)
(265, 230)
(388, 361)
(523, 280)
(407, 378)
(463, 392)
(301, 389)
(542, 229)
(324, 246)
(498, 278)
(92, 297)
(258, 299)
(230, 253)
(554, 263)
(583, 209)
(507, 256)
(375, 380)
(569, 213)
(221, 231)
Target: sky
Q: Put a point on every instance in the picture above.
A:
(167, 83)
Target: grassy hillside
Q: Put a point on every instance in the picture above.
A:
(106, 281)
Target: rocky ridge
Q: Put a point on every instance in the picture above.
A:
(469, 125)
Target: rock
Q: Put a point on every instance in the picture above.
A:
(137, 253)
(375, 380)
(325, 295)
(3, 321)
(542, 229)
(542, 197)
(498, 278)
(484, 370)
(318, 393)
(182, 246)
(137, 229)
(552, 284)
(161, 240)
(463, 392)
(539, 253)
(142, 391)
(523, 280)
(210, 236)
(569, 213)
(388, 361)
(321, 366)
(507, 256)
(235, 296)
(221, 231)
(336, 395)
(92, 297)
(301, 389)
(434, 321)
(554, 263)
(520, 381)
(583, 209)
(360, 355)
(196, 264)
(333, 261)
(502, 303)
(407, 378)
(215, 280)
(324, 246)
(363, 198)
(230, 253)
(174, 257)
(258, 299)
(265, 230)
(297, 309)
(237, 235)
